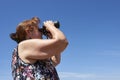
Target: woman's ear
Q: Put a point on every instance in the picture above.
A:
(28, 33)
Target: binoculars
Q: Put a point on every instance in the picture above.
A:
(45, 32)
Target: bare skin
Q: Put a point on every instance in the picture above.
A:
(57, 57)
(36, 48)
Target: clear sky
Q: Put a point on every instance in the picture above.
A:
(91, 26)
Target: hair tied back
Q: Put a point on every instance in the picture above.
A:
(13, 36)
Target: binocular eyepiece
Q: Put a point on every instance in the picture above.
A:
(45, 32)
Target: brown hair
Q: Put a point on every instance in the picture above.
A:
(20, 33)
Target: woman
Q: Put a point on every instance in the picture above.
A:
(35, 58)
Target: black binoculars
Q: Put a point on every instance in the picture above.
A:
(45, 32)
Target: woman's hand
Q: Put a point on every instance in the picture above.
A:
(48, 24)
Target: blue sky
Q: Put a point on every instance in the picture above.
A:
(91, 26)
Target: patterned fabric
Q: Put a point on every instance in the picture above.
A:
(40, 70)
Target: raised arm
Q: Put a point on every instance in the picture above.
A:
(42, 49)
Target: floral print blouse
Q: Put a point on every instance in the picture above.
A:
(40, 70)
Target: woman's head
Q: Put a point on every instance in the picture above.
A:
(26, 30)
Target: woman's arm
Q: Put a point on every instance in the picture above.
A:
(56, 59)
(43, 49)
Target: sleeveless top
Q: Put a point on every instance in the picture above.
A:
(40, 70)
